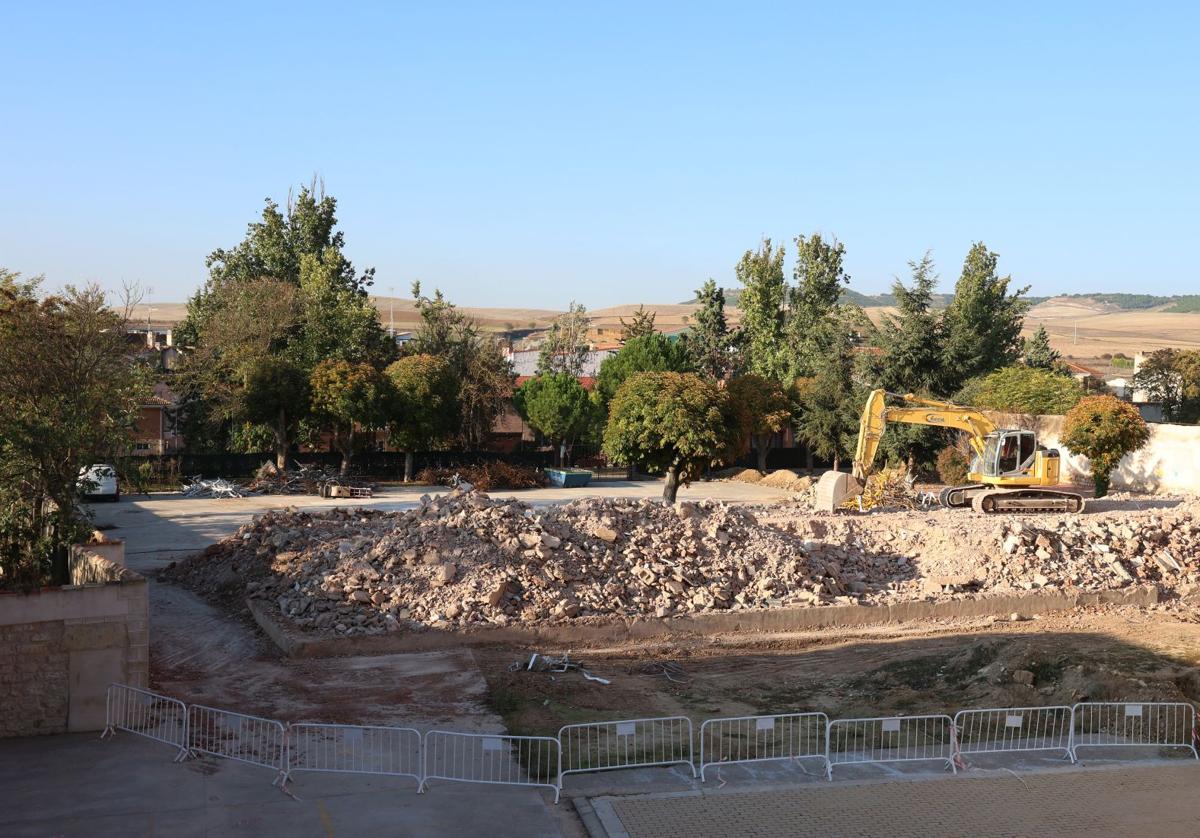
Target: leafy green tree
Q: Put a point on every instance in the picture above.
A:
(1038, 353)
(762, 410)
(813, 313)
(764, 315)
(674, 422)
(1039, 392)
(348, 396)
(983, 321)
(1171, 378)
(827, 405)
(641, 323)
(710, 343)
(285, 290)
(483, 376)
(646, 353)
(566, 346)
(424, 408)
(1104, 429)
(69, 395)
(275, 393)
(557, 406)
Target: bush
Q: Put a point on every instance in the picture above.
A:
(952, 466)
(486, 477)
(1104, 429)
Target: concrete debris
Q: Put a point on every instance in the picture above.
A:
(546, 663)
(465, 560)
(198, 487)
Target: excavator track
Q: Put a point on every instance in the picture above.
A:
(1026, 500)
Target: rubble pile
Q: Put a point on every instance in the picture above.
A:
(1096, 552)
(302, 480)
(467, 559)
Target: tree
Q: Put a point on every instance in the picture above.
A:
(814, 301)
(647, 353)
(710, 344)
(566, 347)
(482, 374)
(827, 406)
(1039, 392)
(983, 321)
(671, 421)
(1038, 353)
(913, 339)
(69, 394)
(1171, 378)
(1104, 429)
(424, 407)
(641, 323)
(912, 361)
(286, 290)
(347, 396)
(275, 393)
(764, 318)
(762, 410)
(556, 406)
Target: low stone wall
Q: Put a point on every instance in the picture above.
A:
(60, 648)
(648, 632)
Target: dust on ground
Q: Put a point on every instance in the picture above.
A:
(1101, 653)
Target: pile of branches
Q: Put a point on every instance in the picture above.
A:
(486, 477)
(889, 487)
(302, 480)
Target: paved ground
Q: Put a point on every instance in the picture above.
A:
(77, 785)
(1157, 801)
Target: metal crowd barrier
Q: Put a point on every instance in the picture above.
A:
(543, 761)
(891, 739)
(144, 713)
(1014, 730)
(629, 743)
(1112, 724)
(354, 749)
(250, 739)
(492, 759)
(786, 736)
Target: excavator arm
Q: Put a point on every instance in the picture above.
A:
(834, 488)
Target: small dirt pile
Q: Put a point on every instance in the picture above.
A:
(466, 559)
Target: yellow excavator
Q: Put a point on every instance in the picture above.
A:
(1010, 472)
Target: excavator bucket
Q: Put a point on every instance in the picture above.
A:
(833, 489)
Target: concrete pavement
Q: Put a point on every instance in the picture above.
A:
(127, 787)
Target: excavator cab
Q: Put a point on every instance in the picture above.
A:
(1006, 454)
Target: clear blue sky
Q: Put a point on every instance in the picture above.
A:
(519, 154)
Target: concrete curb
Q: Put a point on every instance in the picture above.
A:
(296, 644)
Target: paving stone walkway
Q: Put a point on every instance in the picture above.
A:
(1157, 801)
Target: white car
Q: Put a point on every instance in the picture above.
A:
(99, 482)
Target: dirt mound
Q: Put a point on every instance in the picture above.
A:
(788, 480)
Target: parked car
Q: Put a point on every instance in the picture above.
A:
(99, 482)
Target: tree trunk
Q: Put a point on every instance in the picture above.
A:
(281, 442)
(671, 486)
(347, 453)
(837, 461)
(808, 460)
(760, 447)
(408, 466)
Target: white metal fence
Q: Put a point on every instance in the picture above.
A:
(787, 736)
(1014, 729)
(890, 739)
(147, 714)
(629, 743)
(491, 758)
(1127, 724)
(354, 749)
(543, 761)
(250, 739)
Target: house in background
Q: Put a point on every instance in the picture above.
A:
(155, 433)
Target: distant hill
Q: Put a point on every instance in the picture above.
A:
(1174, 304)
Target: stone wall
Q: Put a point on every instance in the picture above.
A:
(60, 648)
